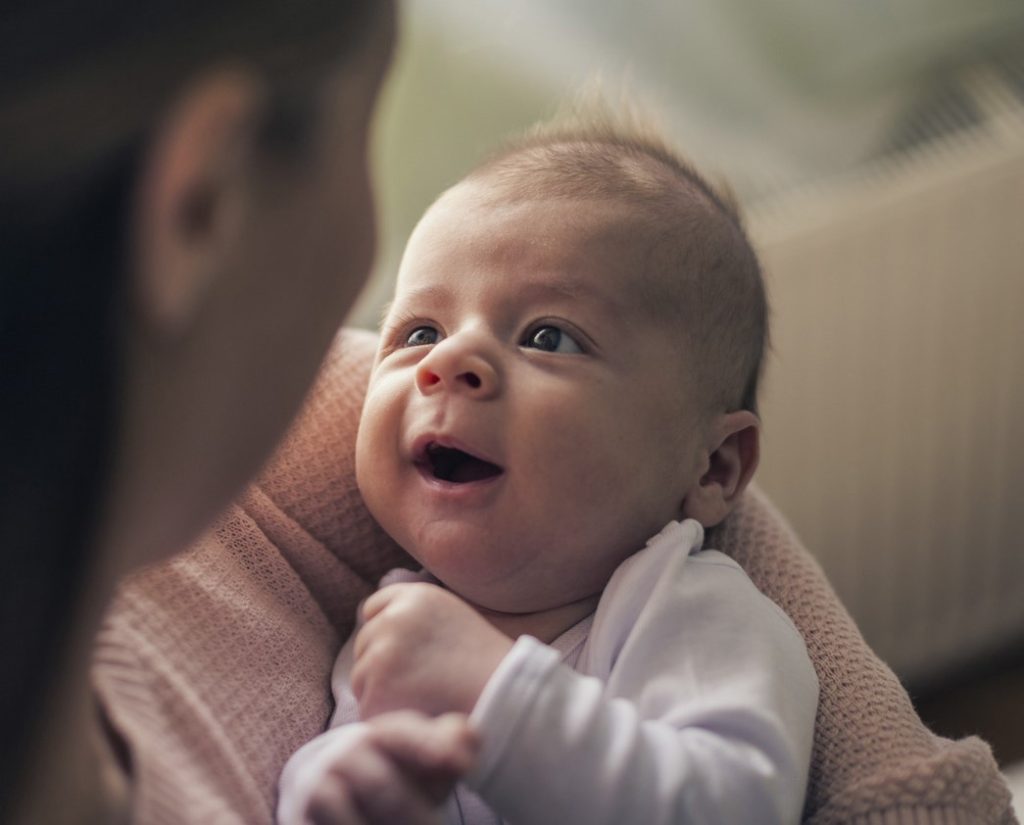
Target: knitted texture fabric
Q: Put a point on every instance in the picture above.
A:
(873, 759)
(212, 668)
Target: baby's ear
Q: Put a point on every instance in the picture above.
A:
(734, 451)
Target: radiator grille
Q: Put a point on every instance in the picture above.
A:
(894, 398)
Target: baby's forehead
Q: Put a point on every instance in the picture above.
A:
(613, 246)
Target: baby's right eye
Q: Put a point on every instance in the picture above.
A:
(422, 336)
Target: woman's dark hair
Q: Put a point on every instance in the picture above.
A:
(81, 88)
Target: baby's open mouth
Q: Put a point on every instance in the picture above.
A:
(456, 466)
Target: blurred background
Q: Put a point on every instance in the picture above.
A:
(878, 149)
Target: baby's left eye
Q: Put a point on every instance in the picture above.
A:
(423, 336)
(551, 339)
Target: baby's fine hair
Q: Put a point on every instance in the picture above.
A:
(700, 261)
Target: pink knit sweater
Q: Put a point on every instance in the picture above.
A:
(214, 667)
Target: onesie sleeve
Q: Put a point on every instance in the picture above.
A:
(700, 710)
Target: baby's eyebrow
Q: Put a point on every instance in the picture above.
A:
(429, 295)
(577, 291)
(559, 288)
(432, 294)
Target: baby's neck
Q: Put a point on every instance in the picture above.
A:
(545, 625)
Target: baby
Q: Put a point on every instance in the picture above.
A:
(563, 400)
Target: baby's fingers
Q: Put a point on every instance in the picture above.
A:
(371, 789)
(436, 751)
(332, 804)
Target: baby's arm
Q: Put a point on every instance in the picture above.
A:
(706, 716)
(398, 767)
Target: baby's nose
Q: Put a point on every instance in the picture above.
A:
(453, 369)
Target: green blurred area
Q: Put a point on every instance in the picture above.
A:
(769, 94)
(421, 148)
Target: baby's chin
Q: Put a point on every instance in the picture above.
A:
(485, 590)
(501, 578)
(510, 596)
(467, 563)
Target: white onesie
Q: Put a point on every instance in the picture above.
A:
(687, 697)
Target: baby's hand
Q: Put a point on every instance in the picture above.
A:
(398, 767)
(424, 649)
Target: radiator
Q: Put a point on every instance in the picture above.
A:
(893, 403)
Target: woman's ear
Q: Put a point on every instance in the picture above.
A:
(192, 197)
(734, 452)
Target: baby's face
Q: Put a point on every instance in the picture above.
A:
(528, 425)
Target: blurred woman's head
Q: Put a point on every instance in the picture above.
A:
(186, 216)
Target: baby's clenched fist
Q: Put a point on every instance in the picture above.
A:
(422, 648)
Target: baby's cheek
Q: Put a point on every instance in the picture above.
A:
(594, 461)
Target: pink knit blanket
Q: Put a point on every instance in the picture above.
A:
(215, 666)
